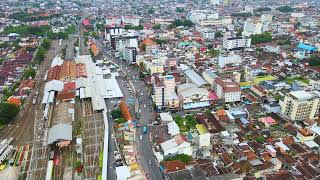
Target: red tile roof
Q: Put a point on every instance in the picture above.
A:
(172, 166)
(65, 95)
(69, 86)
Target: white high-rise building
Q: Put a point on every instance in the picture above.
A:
(130, 54)
(252, 27)
(227, 89)
(163, 87)
(235, 43)
(300, 105)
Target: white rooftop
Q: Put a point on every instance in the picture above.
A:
(301, 95)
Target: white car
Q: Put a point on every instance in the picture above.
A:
(140, 137)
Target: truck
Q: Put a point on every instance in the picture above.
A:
(145, 130)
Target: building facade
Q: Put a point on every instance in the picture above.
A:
(236, 43)
(227, 89)
(130, 54)
(163, 88)
(300, 105)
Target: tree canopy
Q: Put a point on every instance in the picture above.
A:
(314, 60)
(285, 9)
(262, 9)
(29, 72)
(8, 112)
(179, 22)
(179, 9)
(243, 14)
(116, 114)
(182, 157)
(156, 26)
(261, 38)
(25, 30)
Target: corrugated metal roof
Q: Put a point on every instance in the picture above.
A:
(195, 78)
(60, 132)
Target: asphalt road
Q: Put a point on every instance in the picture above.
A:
(145, 117)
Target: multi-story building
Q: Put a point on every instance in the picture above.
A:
(300, 105)
(252, 27)
(113, 31)
(227, 89)
(163, 88)
(196, 16)
(118, 20)
(229, 59)
(236, 43)
(118, 43)
(130, 54)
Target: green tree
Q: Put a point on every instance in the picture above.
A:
(244, 14)
(182, 157)
(40, 55)
(285, 9)
(160, 41)
(29, 72)
(218, 34)
(314, 60)
(179, 22)
(179, 9)
(156, 26)
(116, 114)
(262, 9)
(8, 112)
(46, 43)
(260, 139)
(261, 38)
(151, 11)
(213, 53)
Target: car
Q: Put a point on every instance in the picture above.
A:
(140, 137)
(149, 162)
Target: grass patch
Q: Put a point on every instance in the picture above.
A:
(291, 80)
(186, 123)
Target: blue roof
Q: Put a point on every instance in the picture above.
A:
(307, 47)
(244, 121)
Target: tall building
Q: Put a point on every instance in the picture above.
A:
(252, 27)
(118, 43)
(236, 43)
(163, 88)
(130, 54)
(300, 105)
(227, 89)
(233, 59)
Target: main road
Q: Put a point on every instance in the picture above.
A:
(143, 108)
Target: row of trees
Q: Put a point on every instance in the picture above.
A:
(25, 16)
(42, 50)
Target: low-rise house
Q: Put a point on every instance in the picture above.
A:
(192, 96)
(176, 145)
